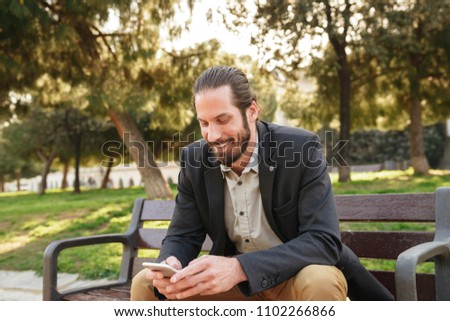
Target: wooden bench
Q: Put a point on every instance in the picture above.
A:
(404, 283)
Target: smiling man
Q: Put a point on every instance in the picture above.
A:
(263, 195)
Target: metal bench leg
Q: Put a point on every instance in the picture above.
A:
(442, 263)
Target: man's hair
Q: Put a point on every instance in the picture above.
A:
(218, 76)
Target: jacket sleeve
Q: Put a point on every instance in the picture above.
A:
(186, 232)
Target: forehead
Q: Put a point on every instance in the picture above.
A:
(214, 101)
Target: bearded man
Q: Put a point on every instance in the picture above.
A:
(263, 195)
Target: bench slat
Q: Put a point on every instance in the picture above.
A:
(157, 210)
(151, 238)
(389, 207)
(417, 207)
(367, 244)
(363, 243)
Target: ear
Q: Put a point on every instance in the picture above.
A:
(253, 111)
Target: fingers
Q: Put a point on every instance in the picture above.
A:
(154, 275)
(199, 289)
(171, 261)
(195, 267)
(205, 275)
(162, 283)
(171, 290)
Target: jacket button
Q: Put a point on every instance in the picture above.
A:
(264, 283)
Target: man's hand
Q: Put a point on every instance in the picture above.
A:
(204, 276)
(159, 281)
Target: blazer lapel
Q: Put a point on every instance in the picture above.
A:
(267, 170)
(215, 191)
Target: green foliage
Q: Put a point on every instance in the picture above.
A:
(406, 40)
(434, 137)
(38, 134)
(376, 147)
(68, 59)
(397, 53)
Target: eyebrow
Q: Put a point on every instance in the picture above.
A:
(218, 116)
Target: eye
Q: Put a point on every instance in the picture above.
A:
(223, 120)
(203, 123)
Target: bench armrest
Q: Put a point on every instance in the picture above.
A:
(405, 271)
(50, 269)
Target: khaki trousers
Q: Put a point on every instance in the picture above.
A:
(312, 283)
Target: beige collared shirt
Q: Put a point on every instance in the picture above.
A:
(245, 220)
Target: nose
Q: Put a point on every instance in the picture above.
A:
(213, 133)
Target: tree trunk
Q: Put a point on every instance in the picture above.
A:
(77, 149)
(18, 177)
(339, 44)
(419, 161)
(109, 166)
(2, 183)
(154, 183)
(344, 112)
(75, 134)
(45, 170)
(64, 183)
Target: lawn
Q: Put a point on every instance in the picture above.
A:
(28, 222)
(391, 182)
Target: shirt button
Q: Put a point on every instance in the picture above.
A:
(241, 213)
(247, 240)
(239, 183)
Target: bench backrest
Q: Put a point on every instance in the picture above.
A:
(351, 208)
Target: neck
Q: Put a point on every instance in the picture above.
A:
(239, 165)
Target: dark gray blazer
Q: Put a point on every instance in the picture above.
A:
(298, 202)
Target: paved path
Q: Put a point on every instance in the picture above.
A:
(27, 286)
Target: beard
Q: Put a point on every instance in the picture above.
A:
(229, 149)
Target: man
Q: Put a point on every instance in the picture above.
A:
(263, 195)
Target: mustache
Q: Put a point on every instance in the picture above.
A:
(221, 142)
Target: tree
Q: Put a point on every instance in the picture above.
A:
(282, 27)
(67, 42)
(410, 50)
(7, 165)
(38, 135)
(82, 132)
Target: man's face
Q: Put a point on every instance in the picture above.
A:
(222, 124)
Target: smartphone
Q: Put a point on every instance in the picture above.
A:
(165, 269)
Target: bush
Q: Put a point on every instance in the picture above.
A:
(377, 147)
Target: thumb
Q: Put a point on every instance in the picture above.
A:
(173, 262)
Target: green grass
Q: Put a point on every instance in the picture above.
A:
(28, 222)
(391, 182)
